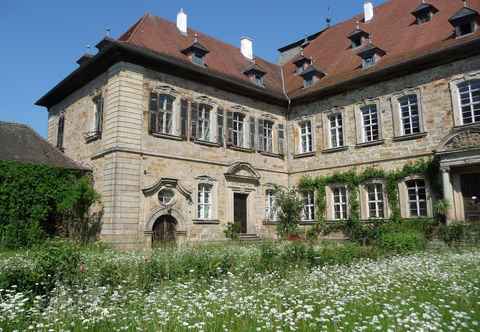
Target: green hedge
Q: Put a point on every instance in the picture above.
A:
(29, 199)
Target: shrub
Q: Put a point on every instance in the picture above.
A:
(402, 241)
(232, 231)
(457, 233)
(290, 207)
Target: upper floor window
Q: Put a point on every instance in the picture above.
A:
(465, 21)
(270, 205)
(336, 130)
(308, 206)
(161, 113)
(238, 131)
(203, 128)
(267, 135)
(60, 130)
(370, 125)
(469, 95)
(409, 114)
(255, 73)
(417, 198)
(370, 54)
(196, 52)
(340, 205)
(376, 205)
(424, 12)
(98, 102)
(306, 137)
(204, 210)
(358, 36)
(197, 58)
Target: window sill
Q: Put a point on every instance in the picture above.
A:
(366, 144)
(206, 221)
(338, 149)
(409, 137)
(207, 143)
(242, 149)
(270, 222)
(271, 154)
(304, 155)
(92, 136)
(168, 136)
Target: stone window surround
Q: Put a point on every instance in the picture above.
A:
(403, 197)
(314, 212)
(330, 209)
(364, 208)
(298, 136)
(326, 131)
(168, 90)
(205, 179)
(455, 96)
(396, 113)
(359, 121)
(92, 134)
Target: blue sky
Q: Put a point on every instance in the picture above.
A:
(43, 39)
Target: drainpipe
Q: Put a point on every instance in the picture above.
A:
(287, 145)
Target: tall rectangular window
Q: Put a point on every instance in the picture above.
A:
(308, 206)
(340, 205)
(409, 114)
(469, 94)
(267, 136)
(417, 198)
(161, 113)
(306, 138)
(60, 130)
(98, 102)
(270, 205)
(336, 130)
(281, 139)
(203, 127)
(376, 206)
(238, 129)
(204, 201)
(370, 127)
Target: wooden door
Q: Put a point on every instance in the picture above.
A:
(471, 196)
(240, 211)
(163, 231)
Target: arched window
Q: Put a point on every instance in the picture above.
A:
(204, 210)
(469, 97)
(60, 130)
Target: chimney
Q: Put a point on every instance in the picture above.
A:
(246, 47)
(368, 11)
(182, 22)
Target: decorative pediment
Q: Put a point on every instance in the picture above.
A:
(168, 183)
(465, 139)
(205, 100)
(165, 89)
(242, 171)
(240, 108)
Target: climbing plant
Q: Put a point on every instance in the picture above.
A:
(352, 180)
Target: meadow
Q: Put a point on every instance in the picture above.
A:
(264, 287)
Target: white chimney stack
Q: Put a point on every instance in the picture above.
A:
(246, 47)
(182, 22)
(368, 11)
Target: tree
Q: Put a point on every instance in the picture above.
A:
(290, 207)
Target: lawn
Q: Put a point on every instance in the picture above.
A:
(436, 290)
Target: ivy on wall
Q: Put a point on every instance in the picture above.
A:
(352, 180)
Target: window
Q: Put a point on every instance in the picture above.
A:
(203, 128)
(370, 130)
(423, 17)
(306, 138)
(60, 130)
(417, 198)
(281, 139)
(308, 81)
(308, 206)
(257, 78)
(339, 203)
(465, 28)
(336, 130)
(356, 41)
(369, 61)
(161, 113)
(204, 201)
(409, 114)
(98, 102)
(197, 58)
(270, 205)
(267, 136)
(376, 206)
(238, 129)
(469, 95)
(165, 196)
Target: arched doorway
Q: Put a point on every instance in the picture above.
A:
(163, 231)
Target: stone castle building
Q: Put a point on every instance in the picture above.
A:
(185, 133)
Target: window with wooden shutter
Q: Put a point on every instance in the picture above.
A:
(260, 143)
(194, 120)
(267, 136)
(220, 126)
(153, 110)
(252, 133)
(183, 118)
(229, 128)
(281, 139)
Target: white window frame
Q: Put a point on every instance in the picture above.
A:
(378, 201)
(308, 211)
(306, 136)
(418, 201)
(204, 201)
(455, 94)
(368, 128)
(471, 104)
(335, 131)
(164, 112)
(204, 122)
(409, 108)
(238, 129)
(397, 117)
(268, 136)
(271, 211)
(342, 203)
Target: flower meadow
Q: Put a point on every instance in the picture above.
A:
(428, 291)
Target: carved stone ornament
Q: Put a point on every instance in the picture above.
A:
(242, 171)
(168, 183)
(469, 138)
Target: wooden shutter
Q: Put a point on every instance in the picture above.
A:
(194, 121)
(220, 126)
(229, 127)
(183, 118)
(252, 132)
(281, 139)
(153, 110)
(296, 138)
(260, 143)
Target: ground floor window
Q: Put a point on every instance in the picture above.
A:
(417, 198)
(204, 201)
(308, 206)
(339, 203)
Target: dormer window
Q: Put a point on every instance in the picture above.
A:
(358, 37)
(196, 52)
(255, 73)
(370, 55)
(301, 63)
(465, 21)
(311, 75)
(424, 12)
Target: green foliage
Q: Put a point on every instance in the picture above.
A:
(460, 233)
(402, 242)
(290, 207)
(30, 198)
(232, 231)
